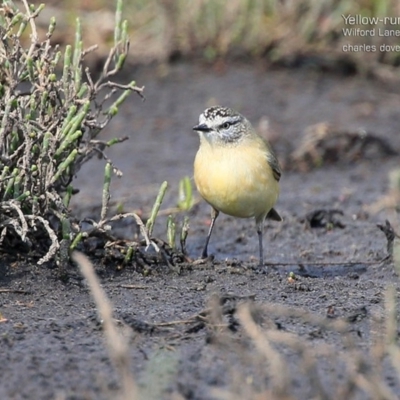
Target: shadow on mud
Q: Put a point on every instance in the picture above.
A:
(352, 270)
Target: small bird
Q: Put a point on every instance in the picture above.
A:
(235, 170)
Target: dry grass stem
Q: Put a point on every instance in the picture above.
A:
(276, 364)
(117, 346)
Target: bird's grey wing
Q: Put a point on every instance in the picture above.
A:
(274, 164)
(276, 170)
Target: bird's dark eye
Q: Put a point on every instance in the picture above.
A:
(225, 125)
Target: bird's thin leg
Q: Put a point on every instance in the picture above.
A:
(260, 229)
(214, 215)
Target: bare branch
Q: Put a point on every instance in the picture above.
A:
(52, 235)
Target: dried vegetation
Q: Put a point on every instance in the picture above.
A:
(288, 32)
(239, 327)
(51, 112)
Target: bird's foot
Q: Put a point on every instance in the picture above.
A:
(262, 268)
(204, 255)
(203, 260)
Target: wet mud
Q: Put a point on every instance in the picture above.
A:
(51, 339)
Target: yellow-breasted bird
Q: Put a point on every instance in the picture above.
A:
(235, 170)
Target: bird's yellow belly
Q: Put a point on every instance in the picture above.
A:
(237, 182)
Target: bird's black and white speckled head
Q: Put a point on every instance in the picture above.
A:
(223, 124)
(215, 112)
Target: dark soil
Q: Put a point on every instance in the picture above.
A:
(52, 343)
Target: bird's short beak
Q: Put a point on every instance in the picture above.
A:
(201, 128)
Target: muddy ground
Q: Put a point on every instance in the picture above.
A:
(51, 342)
